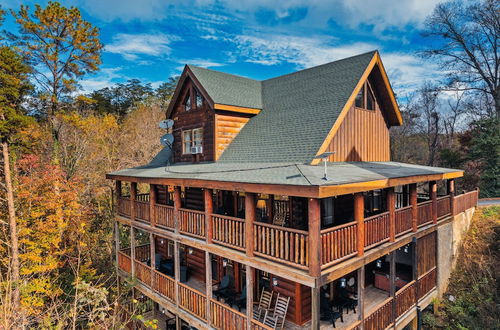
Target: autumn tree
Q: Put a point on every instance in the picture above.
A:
(13, 86)
(465, 41)
(60, 46)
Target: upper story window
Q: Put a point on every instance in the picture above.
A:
(191, 138)
(360, 98)
(365, 98)
(199, 99)
(187, 103)
(370, 100)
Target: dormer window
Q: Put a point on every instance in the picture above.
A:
(191, 138)
(199, 99)
(187, 103)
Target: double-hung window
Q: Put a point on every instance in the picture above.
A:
(191, 138)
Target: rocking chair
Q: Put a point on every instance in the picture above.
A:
(264, 304)
(277, 319)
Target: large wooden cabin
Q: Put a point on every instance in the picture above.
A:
(251, 209)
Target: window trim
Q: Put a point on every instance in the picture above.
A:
(191, 133)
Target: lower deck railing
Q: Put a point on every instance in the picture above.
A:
(465, 201)
(406, 298)
(226, 318)
(193, 301)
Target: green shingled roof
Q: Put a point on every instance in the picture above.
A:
(229, 89)
(299, 109)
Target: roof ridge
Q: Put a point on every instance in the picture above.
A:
(221, 72)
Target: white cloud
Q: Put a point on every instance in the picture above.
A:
(131, 46)
(105, 78)
(204, 63)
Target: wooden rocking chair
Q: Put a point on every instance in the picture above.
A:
(277, 319)
(264, 304)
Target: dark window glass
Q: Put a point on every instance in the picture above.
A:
(359, 99)
(187, 104)
(370, 101)
(199, 100)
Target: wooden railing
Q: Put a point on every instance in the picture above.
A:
(225, 318)
(443, 206)
(164, 285)
(124, 206)
(338, 243)
(403, 219)
(164, 216)
(192, 222)
(465, 201)
(381, 318)
(142, 197)
(424, 213)
(256, 325)
(124, 262)
(142, 211)
(143, 272)
(426, 283)
(193, 301)
(228, 231)
(142, 252)
(406, 298)
(285, 245)
(376, 229)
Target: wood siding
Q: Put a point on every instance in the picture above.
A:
(362, 136)
(194, 118)
(196, 264)
(299, 309)
(426, 252)
(226, 129)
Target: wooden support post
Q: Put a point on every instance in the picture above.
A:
(207, 193)
(118, 195)
(250, 276)
(414, 206)
(152, 204)
(208, 283)
(392, 283)
(433, 192)
(314, 240)
(414, 264)
(451, 192)
(177, 206)
(132, 249)
(133, 194)
(177, 270)
(117, 241)
(152, 251)
(315, 308)
(249, 223)
(391, 208)
(359, 217)
(178, 325)
(361, 294)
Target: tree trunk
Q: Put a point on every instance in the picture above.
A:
(14, 244)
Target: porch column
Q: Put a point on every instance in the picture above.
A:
(250, 276)
(208, 283)
(392, 283)
(177, 271)
(117, 242)
(359, 217)
(133, 194)
(361, 294)
(391, 207)
(207, 194)
(118, 195)
(152, 203)
(249, 221)
(152, 250)
(414, 265)
(132, 249)
(451, 192)
(314, 237)
(177, 206)
(433, 192)
(414, 209)
(315, 308)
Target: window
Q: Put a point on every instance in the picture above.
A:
(187, 103)
(191, 138)
(370, 100)
(360, 99)
(199, 99)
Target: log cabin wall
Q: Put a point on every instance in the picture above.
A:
(299, 309)
(194, 199)
(227, 126)
(363, 135)
(196, 264)
(194, 118)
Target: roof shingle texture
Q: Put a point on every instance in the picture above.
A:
(298, 109)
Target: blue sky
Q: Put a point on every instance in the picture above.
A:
(152, 40)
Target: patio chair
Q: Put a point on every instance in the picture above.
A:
(224, 290)
(326, 311)
(277, 319)
(241, 301)
(264, 304)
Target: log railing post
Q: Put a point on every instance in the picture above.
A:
(392, 283)
(133, 194)
(208, 284)
(451, 193)
(314, 237)
(249, 223)
(207, 194)
(177, 270)
(391, 208)
(414, 206)
(152, 203)
(132, 250)
(361, 294)
(359, 217)
(177, 206)
(433, 192)
(250, 276)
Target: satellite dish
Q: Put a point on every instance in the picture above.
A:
(167, 140)
(166, 124)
